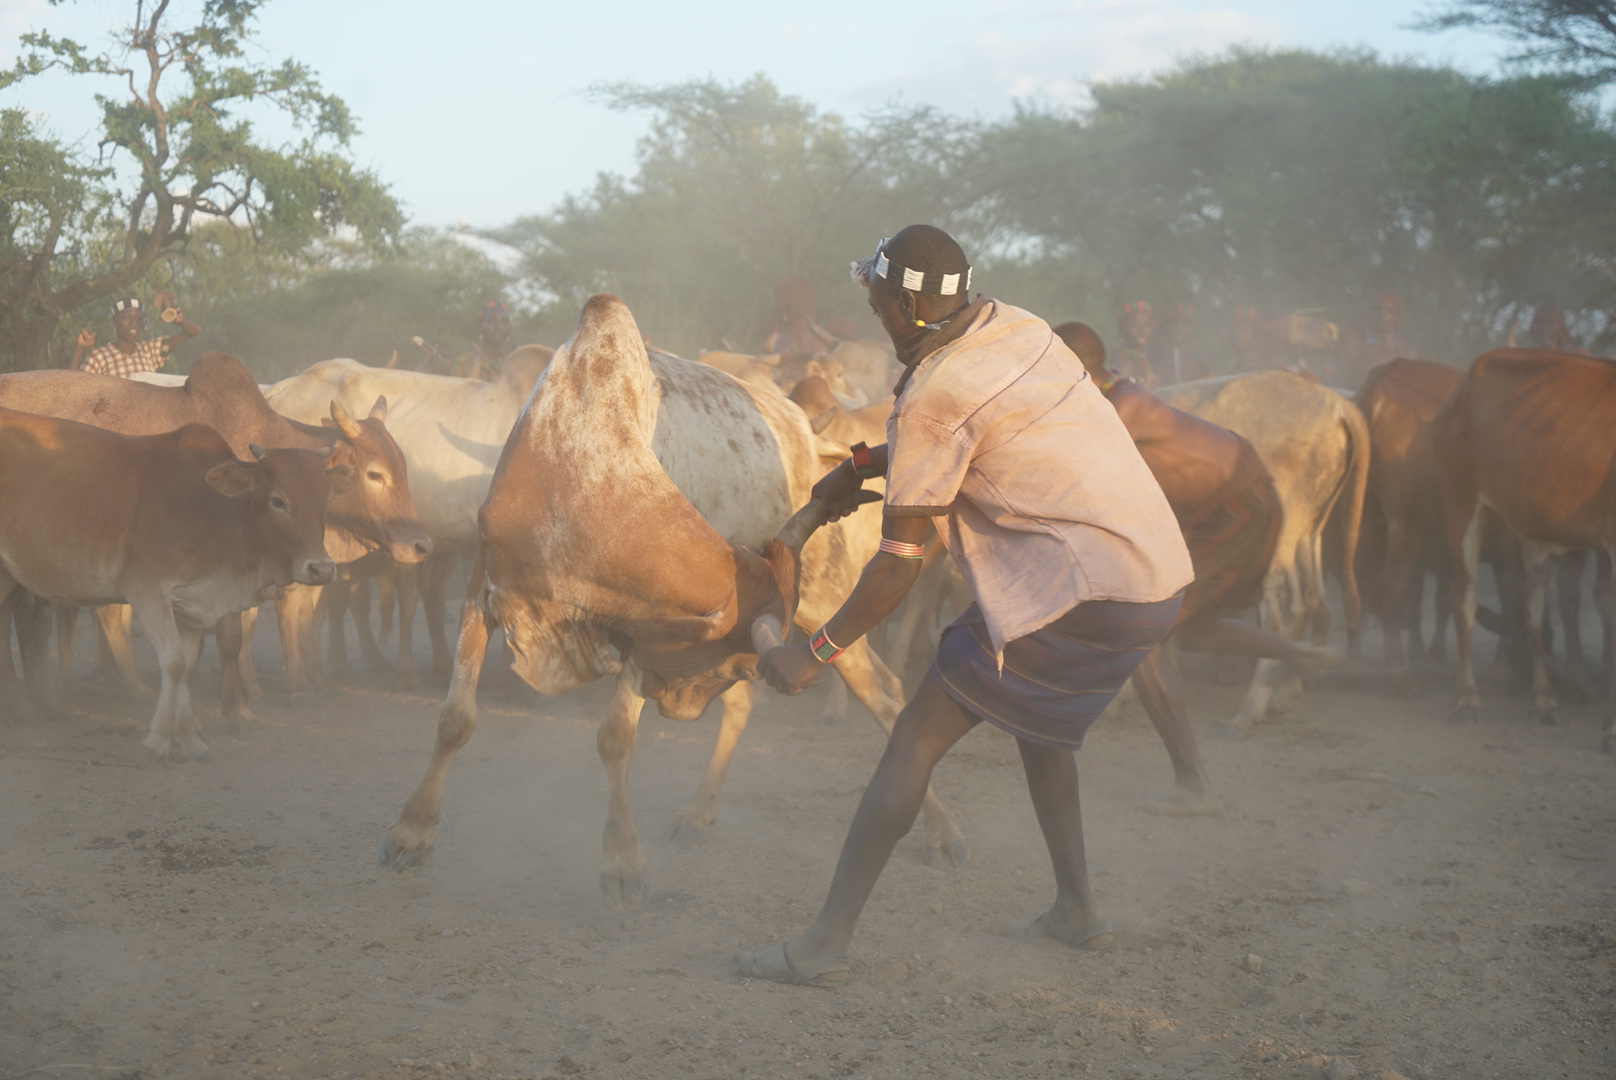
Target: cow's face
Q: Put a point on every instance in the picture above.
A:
(377, 507)
(287, 491)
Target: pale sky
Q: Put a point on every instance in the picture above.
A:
(474, 111)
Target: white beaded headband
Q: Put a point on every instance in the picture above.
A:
(877, 266)
(120, 306)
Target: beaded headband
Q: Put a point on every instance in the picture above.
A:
(120, 306)
(863, 271)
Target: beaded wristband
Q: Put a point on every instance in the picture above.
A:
(823, 648)
(903, 550)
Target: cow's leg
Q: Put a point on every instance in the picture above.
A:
(1536, 560)
(1464, 531)
(334, 602)
(1569, 569)
(230, 634)
(67, 622)
(17, 705)
(385, 597)
(33, 621)
(880, 691)
(435, 574)
(295, 611)
(1608, 736)
(1602, 601)
(691, 826)
(406, 581)
(156, 615)
(249, 670)
(115, 622)
(1400, 598)
(1161, 693)
(187, 731)
(359, 604)
(409, 842)
(1279, 581)
(622, 868)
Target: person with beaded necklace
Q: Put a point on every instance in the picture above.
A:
(1076, 563)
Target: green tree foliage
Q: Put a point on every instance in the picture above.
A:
(1578, 35)
(1300, 180)
(737, 187)
(175, 151)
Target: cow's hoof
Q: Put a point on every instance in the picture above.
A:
(152, 757)
(622, 893)
(686, 833)
(1462, 714)
(391, 855)
(203, 756)
(950, 855)
(1545, 717)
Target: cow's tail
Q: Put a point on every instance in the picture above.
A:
(1357, 484)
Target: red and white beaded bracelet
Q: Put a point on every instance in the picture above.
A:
(824, 650)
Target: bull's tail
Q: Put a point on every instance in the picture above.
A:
(1352, 418)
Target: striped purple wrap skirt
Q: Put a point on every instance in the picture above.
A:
(1057, 680)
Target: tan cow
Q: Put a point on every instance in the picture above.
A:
(636, 508)
(1316, 444)
(171, 524)
(451, 430)
(1531, 435)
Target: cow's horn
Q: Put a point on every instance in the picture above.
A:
(345, 420)
(801, 525)
(823, 421)
(766, 634)
(257, 451)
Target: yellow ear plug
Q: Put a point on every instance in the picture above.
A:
(920, 322)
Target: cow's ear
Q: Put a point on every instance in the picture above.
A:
(231, 477)
(326, 421)
(341, 477)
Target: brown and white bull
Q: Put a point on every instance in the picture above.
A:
(375, 511)
(172, 525)
(452, 431)
(1316, 445)
(1531, 435)
(641, 506)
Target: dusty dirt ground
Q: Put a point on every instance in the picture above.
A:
(1427, 899)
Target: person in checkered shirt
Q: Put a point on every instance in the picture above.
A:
(126, 354)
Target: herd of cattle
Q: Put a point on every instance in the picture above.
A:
(630, 513)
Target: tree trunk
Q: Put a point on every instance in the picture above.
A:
(30, 339)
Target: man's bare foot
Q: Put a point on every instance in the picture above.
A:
(1091, 935)
(1184, 803)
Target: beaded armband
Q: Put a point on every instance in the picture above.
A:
(824, 650)
(863, 464)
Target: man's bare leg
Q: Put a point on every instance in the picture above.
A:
(1052, 782)
(928, 726)
(1160, 693)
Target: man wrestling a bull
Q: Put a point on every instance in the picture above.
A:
(1231, 515)
(1071, 550)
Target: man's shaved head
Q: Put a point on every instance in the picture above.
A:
(1082, 340)
(927, 249)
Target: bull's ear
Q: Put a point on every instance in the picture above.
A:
(678, 629)
(341, 477)
(378, 411)
(231, 477)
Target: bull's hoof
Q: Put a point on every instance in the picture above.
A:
(1547, 717)
(686, 833)
(1608, 743)
(622, 893)
(152, 757)
(1461, 714)
(202, 757)
(949, 855)
(390, 855)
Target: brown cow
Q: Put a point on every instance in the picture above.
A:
(1403, 503)
(171, 524)
(1531, 435)
(375, 511)
(620, 517)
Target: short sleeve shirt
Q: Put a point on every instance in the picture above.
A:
(1040, 494)
(148, 355)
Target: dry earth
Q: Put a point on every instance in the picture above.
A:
(1427, 900)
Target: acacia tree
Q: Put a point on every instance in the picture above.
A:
(175, 151)
(1575, 34)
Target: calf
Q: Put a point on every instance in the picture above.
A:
(172, 525)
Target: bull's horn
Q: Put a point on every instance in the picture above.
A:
(345, 421)
(801, 525)
(829, 339)
(378, 411)
(766, 634)
(257, 451)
